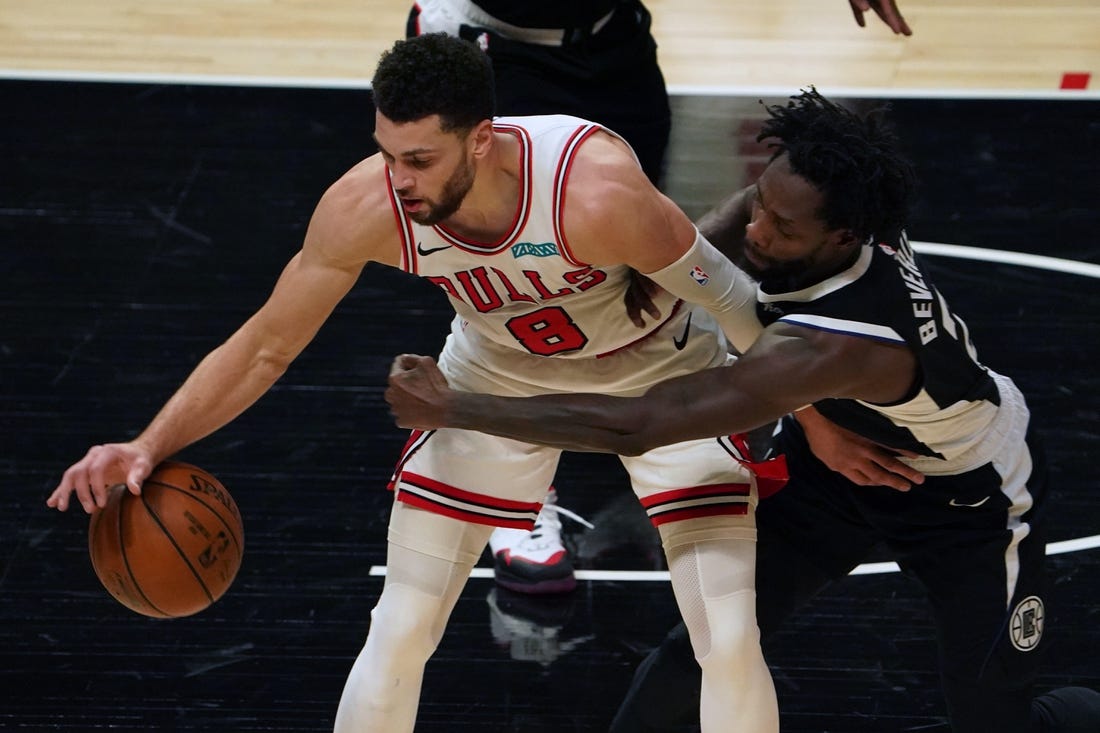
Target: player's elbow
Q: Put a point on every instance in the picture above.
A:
(641, 435)
(604, 437)
(643, 441)
(630, 445)
(271, 361)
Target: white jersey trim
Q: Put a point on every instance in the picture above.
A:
(561, 178)
(404, 227)
(839, 325)
(823, 288)
(523, 209)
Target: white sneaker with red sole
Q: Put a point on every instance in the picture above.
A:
(535, 562)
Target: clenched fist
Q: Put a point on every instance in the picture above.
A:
(418, 394)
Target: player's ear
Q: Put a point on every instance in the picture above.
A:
(480, 138)
(846, 238)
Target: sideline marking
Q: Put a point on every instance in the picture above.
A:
(1023, 259)
(350, 82)
(655, 576)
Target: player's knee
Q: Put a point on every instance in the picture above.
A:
(733, 641)
(403, 623)
(732, 649)
(383, 686)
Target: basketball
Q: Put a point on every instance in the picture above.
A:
(173, 550)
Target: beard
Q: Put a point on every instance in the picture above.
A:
(778, 273)
(767, 270)
(450, 198)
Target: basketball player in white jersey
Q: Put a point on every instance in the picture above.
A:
(531, 226)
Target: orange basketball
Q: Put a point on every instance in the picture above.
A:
(173, 550)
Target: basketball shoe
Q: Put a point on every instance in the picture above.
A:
(535, 562)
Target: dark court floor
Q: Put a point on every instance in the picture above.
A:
(140, 224)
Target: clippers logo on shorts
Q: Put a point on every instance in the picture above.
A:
(699, 275)
(1026, 625)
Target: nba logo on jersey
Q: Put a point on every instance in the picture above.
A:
(699, 276)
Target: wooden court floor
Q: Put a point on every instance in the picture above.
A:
(978, 45)
(142, 221)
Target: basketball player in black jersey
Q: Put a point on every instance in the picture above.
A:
(856, 334)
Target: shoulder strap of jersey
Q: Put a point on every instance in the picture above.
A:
(404, 228)
(561, 179)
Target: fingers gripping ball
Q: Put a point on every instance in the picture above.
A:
(173, 550)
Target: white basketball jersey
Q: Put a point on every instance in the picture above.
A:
(527, 291)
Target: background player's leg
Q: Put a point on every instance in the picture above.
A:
(664, 693)
(382, 691)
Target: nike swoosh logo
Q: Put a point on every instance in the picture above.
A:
(681, 342)
(975, 504)
(425, 252)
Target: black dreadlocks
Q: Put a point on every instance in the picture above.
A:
(854, 161)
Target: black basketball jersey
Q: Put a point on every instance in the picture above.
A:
(885, 295)
(541, 14)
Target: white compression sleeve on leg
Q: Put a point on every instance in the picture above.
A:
(382, 691)
(705, 276)
(714, 586)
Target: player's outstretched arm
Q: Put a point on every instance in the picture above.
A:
(699, 405)
(237, 373)
(788, 367)
(780, 373)
(887, 10)
(224, 384)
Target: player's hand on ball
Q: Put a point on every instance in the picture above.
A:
(102, 467)
(418, 394)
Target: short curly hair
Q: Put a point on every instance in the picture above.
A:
(866, 183)
(435, 74)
